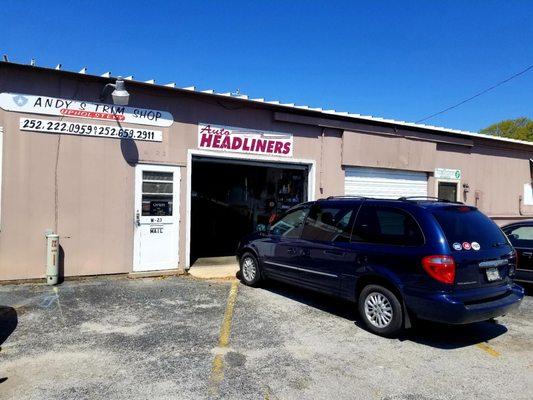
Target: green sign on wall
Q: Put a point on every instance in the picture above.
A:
(446, 173)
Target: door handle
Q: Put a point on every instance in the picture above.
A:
(291, 251)
(306, 253)
(336, 253)
(362, 259)
(527, 253)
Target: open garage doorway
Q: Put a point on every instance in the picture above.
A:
(231, 197)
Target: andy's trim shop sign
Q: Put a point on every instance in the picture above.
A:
(241, 140)
(83, 109)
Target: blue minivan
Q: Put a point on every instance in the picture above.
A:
(398, 259)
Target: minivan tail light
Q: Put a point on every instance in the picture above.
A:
(440, 267)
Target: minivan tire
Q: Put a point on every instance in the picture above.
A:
(249, 270)
(381, 310)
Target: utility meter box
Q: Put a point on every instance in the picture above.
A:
(52, 258)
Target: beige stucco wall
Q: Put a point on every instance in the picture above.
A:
(89, 201)
(83, 187)
(495, 175)
(393, 152)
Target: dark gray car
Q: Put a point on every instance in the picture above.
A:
(520, 235)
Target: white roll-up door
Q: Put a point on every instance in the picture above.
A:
(384, 183)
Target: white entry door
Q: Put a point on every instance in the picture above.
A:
(156, 239)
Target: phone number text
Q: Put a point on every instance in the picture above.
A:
(75, 128)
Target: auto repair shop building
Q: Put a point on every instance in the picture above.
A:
(180, 174)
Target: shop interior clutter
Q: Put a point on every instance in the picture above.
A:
(230, 200)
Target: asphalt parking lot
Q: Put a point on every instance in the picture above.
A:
(182, 338)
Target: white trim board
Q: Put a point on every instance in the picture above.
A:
(244, 157)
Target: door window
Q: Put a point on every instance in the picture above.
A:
(157, 190)
(328, 224)
(521, 236)
(448, 191)
(291, 224)
(386, 225)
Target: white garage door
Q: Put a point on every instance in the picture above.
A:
(384, 183)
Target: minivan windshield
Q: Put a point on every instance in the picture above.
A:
(466, 224)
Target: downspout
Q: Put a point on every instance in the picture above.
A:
(321, 172)
(520, 201)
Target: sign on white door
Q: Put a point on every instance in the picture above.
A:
(156, 239)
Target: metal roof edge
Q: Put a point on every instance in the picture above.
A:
(279, 104)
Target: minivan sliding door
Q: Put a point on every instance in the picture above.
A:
(324, 253)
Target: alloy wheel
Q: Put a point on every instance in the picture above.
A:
(378, 310)
(249, 269)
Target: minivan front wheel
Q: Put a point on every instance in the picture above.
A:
(380, 310)
(250, 273)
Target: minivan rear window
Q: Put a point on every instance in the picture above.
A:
(463, 224)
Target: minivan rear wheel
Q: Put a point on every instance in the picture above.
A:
(250, 273)
(381, 310)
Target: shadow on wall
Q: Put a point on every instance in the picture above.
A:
(129, 151)
(61, 265)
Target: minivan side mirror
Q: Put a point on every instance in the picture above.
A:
(274, 231)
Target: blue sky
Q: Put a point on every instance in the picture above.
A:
(394, 59)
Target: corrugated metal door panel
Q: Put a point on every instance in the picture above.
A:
(384, 183)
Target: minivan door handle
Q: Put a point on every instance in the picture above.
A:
(335, 253)
(306, 253)
(527, 253)
(291, 251)
(362, 259)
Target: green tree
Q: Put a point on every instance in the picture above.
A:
(520, 128)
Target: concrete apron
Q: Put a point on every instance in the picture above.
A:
(215, 268)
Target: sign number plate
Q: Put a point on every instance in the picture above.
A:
(82, 129)
(493, 274)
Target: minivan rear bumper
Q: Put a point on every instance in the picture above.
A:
(463, 307)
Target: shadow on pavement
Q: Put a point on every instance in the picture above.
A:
(332, 305)
(427, 333)
(528, 287)
(8, 322)
(448, 337)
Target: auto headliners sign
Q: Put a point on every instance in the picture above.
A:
(27, 103)
(242, 140)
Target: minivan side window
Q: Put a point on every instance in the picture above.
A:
(328, 224)
(291, 224)
(386, 225)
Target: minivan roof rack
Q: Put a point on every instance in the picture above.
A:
(345, 197)
(430, 198)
